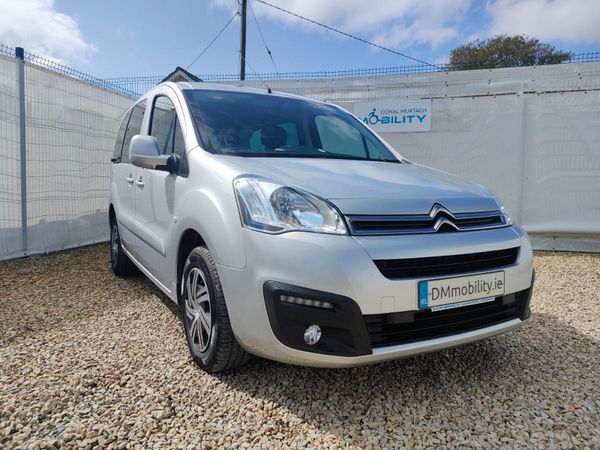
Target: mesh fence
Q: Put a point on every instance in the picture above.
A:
(70, 124)
(58, 67)
(134, 86)
(141, 84)
(10, 178)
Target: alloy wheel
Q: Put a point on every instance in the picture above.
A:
(197, 310)
(114, 242)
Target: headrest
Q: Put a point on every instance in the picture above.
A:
(273, 137)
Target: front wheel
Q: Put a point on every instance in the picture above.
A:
(205, 319)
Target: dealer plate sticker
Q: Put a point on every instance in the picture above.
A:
(455, 291)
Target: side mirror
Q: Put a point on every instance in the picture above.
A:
(144, 152)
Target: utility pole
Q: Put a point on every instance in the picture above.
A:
(243, 42)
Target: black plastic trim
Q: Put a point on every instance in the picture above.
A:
(343, 328)
(441, 221)
(433, 266)
(526, 311)
(407, 327)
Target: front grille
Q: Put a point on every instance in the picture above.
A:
(446, 265)
(439, 220)
(407, 327)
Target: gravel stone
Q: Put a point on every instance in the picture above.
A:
(88, 360)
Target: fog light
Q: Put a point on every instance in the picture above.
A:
(312, 334)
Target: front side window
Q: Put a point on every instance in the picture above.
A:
(249, 124)
(133, 127)
(166, 128)
(338, 137)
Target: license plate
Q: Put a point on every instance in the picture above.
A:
(460, 291)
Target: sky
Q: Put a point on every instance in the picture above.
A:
(114, 38)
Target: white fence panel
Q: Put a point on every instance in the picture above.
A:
(70, 131)
(561, 188)
(71, 127)
(10, 178)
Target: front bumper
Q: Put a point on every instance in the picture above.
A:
(344, 266)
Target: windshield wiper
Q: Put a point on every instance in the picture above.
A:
(306, 155)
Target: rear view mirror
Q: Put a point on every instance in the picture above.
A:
(144, 152)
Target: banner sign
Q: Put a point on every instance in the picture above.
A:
(395, 116)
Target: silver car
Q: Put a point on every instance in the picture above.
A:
(285, 228)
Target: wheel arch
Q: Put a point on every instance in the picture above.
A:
(189, 239)
(112, 215)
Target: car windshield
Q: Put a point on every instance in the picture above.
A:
(254, 125)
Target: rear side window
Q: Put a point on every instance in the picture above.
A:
(116, 157)
(133, 127)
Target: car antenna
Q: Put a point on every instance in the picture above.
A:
(269, 91)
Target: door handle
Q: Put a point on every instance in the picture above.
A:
(139, 182)
(129, 179)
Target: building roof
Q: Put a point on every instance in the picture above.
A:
(180, 74)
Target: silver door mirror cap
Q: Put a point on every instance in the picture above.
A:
(144, 152)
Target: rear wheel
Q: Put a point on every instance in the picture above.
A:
(120, 263)
(205, 319)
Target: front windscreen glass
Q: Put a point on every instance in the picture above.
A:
(249, 124)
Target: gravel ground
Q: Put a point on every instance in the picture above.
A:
(89, 360)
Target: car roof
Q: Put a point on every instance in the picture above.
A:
(186, 85)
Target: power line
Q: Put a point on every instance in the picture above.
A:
(262, 36)
(346, 34)
(214, 39)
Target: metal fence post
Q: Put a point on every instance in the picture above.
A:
(524, 174)
(20, 54)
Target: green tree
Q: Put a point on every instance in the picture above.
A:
(505, 51)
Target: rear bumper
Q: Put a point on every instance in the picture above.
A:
(343, 266)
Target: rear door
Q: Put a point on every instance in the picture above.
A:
(158, 191)
(123, 173)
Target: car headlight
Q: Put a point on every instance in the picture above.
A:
(507, 218)
(270, 207)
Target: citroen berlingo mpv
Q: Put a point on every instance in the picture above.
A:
(284, 227)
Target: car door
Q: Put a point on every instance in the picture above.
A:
(157, 191)
(123, 173)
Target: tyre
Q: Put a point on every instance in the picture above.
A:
(205, 319)
(120, 263)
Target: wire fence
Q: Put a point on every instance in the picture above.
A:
(59, 67)
(57, 129)
(141, 84)
(134, 86)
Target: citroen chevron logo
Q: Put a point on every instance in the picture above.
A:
(441, 221)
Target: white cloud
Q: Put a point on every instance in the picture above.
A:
(565, 20)
(392, 23)
(39, 28)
